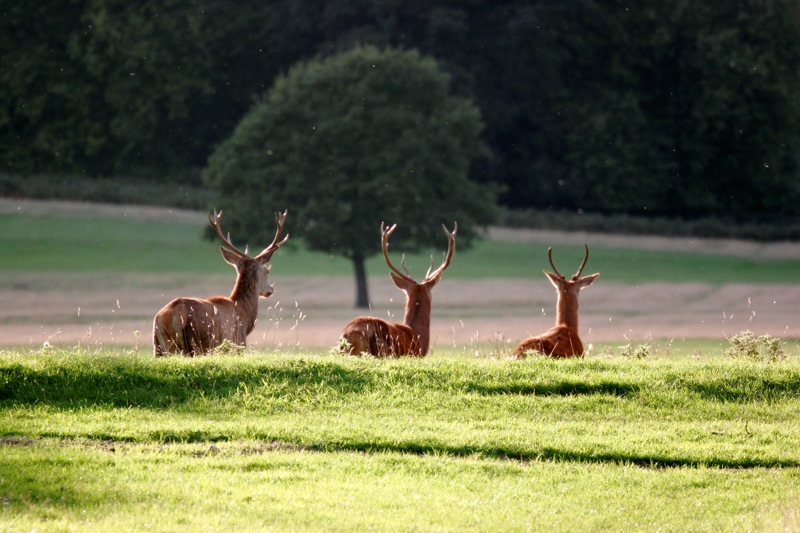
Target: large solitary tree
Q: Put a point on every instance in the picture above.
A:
(347, 142)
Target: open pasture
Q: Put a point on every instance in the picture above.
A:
(90, 274)
(96, 434)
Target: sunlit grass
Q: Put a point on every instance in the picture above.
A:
(255, 486)
(119, 441)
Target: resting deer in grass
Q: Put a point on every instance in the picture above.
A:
(370, 335)
(561, 340)
(194, 326)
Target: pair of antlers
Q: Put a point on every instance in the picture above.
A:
(578, 273)
(430, 275)
(266, 254)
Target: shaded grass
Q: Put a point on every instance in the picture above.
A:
(70, 244)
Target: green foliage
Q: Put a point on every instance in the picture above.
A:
(157, 69)
(345, 143)
(746, 345)
(49, 104)
(348, 142)
(724, 68)
(676, 108)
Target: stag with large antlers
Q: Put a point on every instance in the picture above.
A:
(370, 335)
(194, 326)
(562, 340)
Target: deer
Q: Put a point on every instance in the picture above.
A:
(194, 326)
(377, 337)
(562, 340)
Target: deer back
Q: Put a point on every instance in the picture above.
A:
(377, 337)
(557, 342)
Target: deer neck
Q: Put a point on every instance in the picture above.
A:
(567, 309)
(418, 315)
(245, 297)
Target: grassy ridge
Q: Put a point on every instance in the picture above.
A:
(450, 443)
(72, 244)
(511, 404)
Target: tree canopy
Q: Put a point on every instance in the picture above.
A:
(679, 108)
(348, 142)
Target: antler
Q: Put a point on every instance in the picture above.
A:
(451, 249)
(385, 233)
(266, 254)
(550, 256)
(586, 258)
(225, 240)
(578, 273)
(268, 251)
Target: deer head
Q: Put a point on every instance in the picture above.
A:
(418, 294)
(255, 269)
(567, 303)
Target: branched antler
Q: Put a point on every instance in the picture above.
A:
(451, 248)
(225, 240)
(266, 254)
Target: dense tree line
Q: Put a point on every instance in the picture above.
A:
(677, 107)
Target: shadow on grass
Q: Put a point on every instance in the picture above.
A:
(115, 383)
(554, 388)
(558, 455)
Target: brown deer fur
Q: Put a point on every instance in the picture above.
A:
(193, 326)
(562, 340)
(374, 336)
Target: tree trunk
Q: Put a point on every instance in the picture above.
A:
(362, 296)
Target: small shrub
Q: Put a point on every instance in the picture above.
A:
(342, 347)
(746, 345)
(229, 347)
(640, 351)
(47, 349)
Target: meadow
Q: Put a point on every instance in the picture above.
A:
(669, 433)
(315, 442)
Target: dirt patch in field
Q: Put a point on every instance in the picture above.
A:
(309, 312)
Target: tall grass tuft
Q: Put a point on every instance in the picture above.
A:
(746, 345)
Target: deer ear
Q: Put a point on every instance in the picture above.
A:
(230, 257)
(585, 281)
(402, 283)
(555, 279)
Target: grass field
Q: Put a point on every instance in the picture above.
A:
(313, 442)
(79, 243)
(652, 434)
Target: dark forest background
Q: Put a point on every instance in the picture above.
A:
(674, 108)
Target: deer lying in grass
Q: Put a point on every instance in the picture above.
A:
(561, 340)
(370, 335)
(194, 326)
